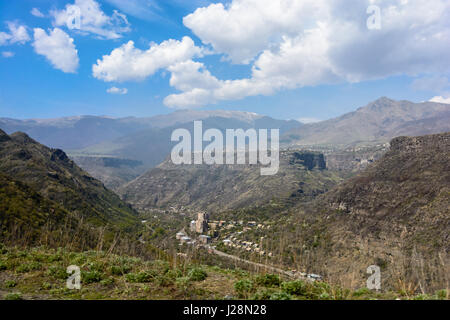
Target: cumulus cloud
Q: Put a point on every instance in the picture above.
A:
(129, 63)
(17, 34)
(8, 54)
(115, 90)
(293, 44)
(290, 44)
(37, 13)
(440, 99)
(58, 48)
(86, 16)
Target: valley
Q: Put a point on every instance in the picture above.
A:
(141, 226)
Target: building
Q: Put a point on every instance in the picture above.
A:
(201, 225)
(180, 235)
(185, 239)
(204, 239)
(192, 226)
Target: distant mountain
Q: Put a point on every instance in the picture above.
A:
(51, 174)
(72, 133)
(379, 121)
(151, 146)
(223, 187)
(147, 140)
(395, 214)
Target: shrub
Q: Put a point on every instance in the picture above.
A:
(3, 265)
(46, 286)
(362, 292)
(280, 296)
(197, 274)
(244, 287)
(268, 280)
(57, 272)
(441, 294)
(10, 283)
(14, 296)
(139, 277)
(96, 266)
(182, 283)
(29, 267)
(263, 294)
(91, 276)
(164, 280)
(107, 282)
(3, 250)
(297, 287)
(120, 270)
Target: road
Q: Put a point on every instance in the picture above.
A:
(259, 265)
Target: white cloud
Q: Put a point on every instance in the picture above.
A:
(17, 34)
(8, 54)
(58, 48)
(440, 99)
(244, 28)
(294, 44)
(291, 44)
(37, 13)
(143, 9)
(91, 19)
(115, 90)
(129, 63)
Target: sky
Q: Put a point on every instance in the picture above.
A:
(308, 60)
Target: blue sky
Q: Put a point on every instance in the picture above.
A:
(289, 64)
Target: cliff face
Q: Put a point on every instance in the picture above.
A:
(395, 214)
(309, 160)
(222, 187)
(433, 143)
(52, 175)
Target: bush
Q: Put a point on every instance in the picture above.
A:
(297, 287)
(362, 292)
(182, 283)
(164, 280)
(107, 282)
(263, 294)
(441, 294)
(120, 270)
(46, 286)
(57, 272)
(91, 276)
(140, 277)
(197, 274)
(14, 296)
(29, 267)
(244, 287)
(10, 283)
(268, 280)
(3, 265)
(280, 296)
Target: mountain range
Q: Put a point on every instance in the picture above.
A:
(394, 214)
(118, 150)
(223, 187)
(47, 178)
(377, 122)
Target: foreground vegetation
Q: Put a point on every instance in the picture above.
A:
(40, 273)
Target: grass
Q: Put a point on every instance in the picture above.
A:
(40, 273)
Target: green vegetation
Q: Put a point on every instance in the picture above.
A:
(109, 276)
